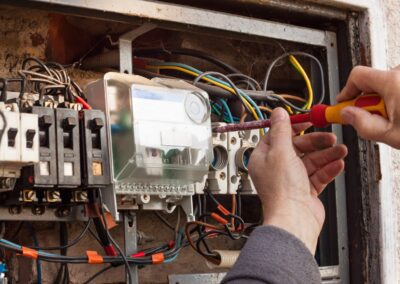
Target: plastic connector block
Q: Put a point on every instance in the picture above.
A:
(249, 140)
(95, 159)
(217, 181)
(234, 144)
(68, 148)
(43, 173)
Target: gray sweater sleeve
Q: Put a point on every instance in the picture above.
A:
(272, 255)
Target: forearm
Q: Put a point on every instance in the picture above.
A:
(272, 255)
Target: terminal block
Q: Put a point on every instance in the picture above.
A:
(217, 181)
(248, 141)
(95, 160)
(68, 148)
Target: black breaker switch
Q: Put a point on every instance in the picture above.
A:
(67, 137)
(30, 134)
(95, 157)
(11, 134)
(44, 173)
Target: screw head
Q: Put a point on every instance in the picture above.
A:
(38, 210)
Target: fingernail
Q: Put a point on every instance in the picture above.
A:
(278, 114)
(347, 116)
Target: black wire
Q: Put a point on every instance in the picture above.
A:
(98, 273)
(20, 225)
(148, 52)
(199, 204)
(72, 243)
(127, 266)
(165, 221)
(95, 236)
(38, 61)
(38, 264)
(3, 117)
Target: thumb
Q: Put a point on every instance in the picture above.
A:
(368, 126)
(280, 134)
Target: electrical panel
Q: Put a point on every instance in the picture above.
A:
(146, 140)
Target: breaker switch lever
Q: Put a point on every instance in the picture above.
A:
(69, 123)
(45, 121)
(96, 124)
(30, 134)
(12, 134)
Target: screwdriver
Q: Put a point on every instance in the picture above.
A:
(320, 115)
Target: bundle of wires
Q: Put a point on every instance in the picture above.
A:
(296, 64)
(155, 255)
(230, 225)
(45, 79)
(212, 77)
(221, 107)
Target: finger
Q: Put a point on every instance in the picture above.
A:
(368, 126)
(321, 178)
(314, 141)
(299, 127)
(317, 160)
(363, 79)
(280, 133)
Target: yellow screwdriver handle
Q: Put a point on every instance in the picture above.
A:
(372, 103)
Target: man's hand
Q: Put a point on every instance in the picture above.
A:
(290, 172)
(370, 126)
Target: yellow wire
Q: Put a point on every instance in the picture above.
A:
(212, 82)
(303, 73)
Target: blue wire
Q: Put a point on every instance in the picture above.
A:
(228, 111)
(250, 100)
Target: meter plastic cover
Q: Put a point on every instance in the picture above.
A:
(159, 134)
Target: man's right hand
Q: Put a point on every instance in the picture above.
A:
(370, 126)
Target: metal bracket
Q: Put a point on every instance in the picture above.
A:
(187, 206)
(125, 46)
(130, 240)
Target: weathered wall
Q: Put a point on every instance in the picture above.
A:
(392, 11)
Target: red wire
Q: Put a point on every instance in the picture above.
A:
(82, 102)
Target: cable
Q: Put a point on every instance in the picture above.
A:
(303, 73)
(5, 124)
(50, 79)
(228, 111)
(247, 100)
(98, 273)
(147, 52)
(246, 77)
(248, 103)
(162, 219)
(271, 66)
(38, 265)
(128, 268)
(72, 243)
